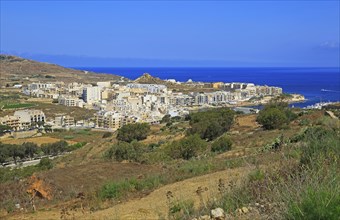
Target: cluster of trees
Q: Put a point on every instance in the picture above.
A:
(274, 115)
(26, 150)
(126, 151)
(205, 126)
(131, 132)
(29, 150)
(55, 148)
(212, 123)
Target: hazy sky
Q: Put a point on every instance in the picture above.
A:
(228, 33)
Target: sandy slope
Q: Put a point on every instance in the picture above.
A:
(155, 205)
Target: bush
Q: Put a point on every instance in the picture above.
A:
(221, 145)
(271, 118)
(68, 137)
(75, 146)
(116, 190)
(107, 134)
(45, 163)
(316, 204)
(166, 119)
(126, 151)
(212, 123)
(275, 115)
(130, 132)
(186, 148)
(322, 146)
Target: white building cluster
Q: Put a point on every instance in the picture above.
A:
(118, 105)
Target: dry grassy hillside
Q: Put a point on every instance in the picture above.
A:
(18, 70)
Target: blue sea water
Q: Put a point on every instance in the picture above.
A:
(316, 84)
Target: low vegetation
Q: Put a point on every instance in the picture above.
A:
(222, 144)
(130, 132)
(30, 150)
(275, 115)
(126, 151)
(304, 186)
(17, 105)
(212, 123)
(295, 174)
(186, 148)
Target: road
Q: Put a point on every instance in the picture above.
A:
(28, 163)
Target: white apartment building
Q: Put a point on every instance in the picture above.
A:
(70, 101)
(64, 121)
(91, 94)
(104, 84)
(39, 85)
(113, 120)
(151, 88)
(28, 116)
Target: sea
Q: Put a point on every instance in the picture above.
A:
(316, 84)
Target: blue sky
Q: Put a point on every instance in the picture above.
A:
(173, 33)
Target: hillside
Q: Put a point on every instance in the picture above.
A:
(18, 70)
(146, 78)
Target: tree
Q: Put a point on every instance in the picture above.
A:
(274, 115)
(271, 118)
(4, 152)
(126, 151)
(16, 151)
(30, 149)
(46, 148)
(212, 123)
(222, 144)
(4, 128)
(130, 132)
(186, 148)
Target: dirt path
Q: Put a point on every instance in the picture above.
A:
(331, 114)
(155, 205)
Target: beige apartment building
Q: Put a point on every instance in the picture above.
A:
(11, 121)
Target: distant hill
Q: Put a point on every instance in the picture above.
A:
(146, 78)
(18, 70)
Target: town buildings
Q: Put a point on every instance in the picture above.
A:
(120, 104)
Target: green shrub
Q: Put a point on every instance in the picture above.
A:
(272, 118)
(166, 119)
(212, 123)
(275, 115)
(68, 137)
(107, 134)
(196, 167)
(322, 146)
(316, 204)
(116, 190)
(126, 151)
(75, 146)
(181, 209)
(45, 163)
(187, 147)
(256, 175)
(222, 144)
(130, 132)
